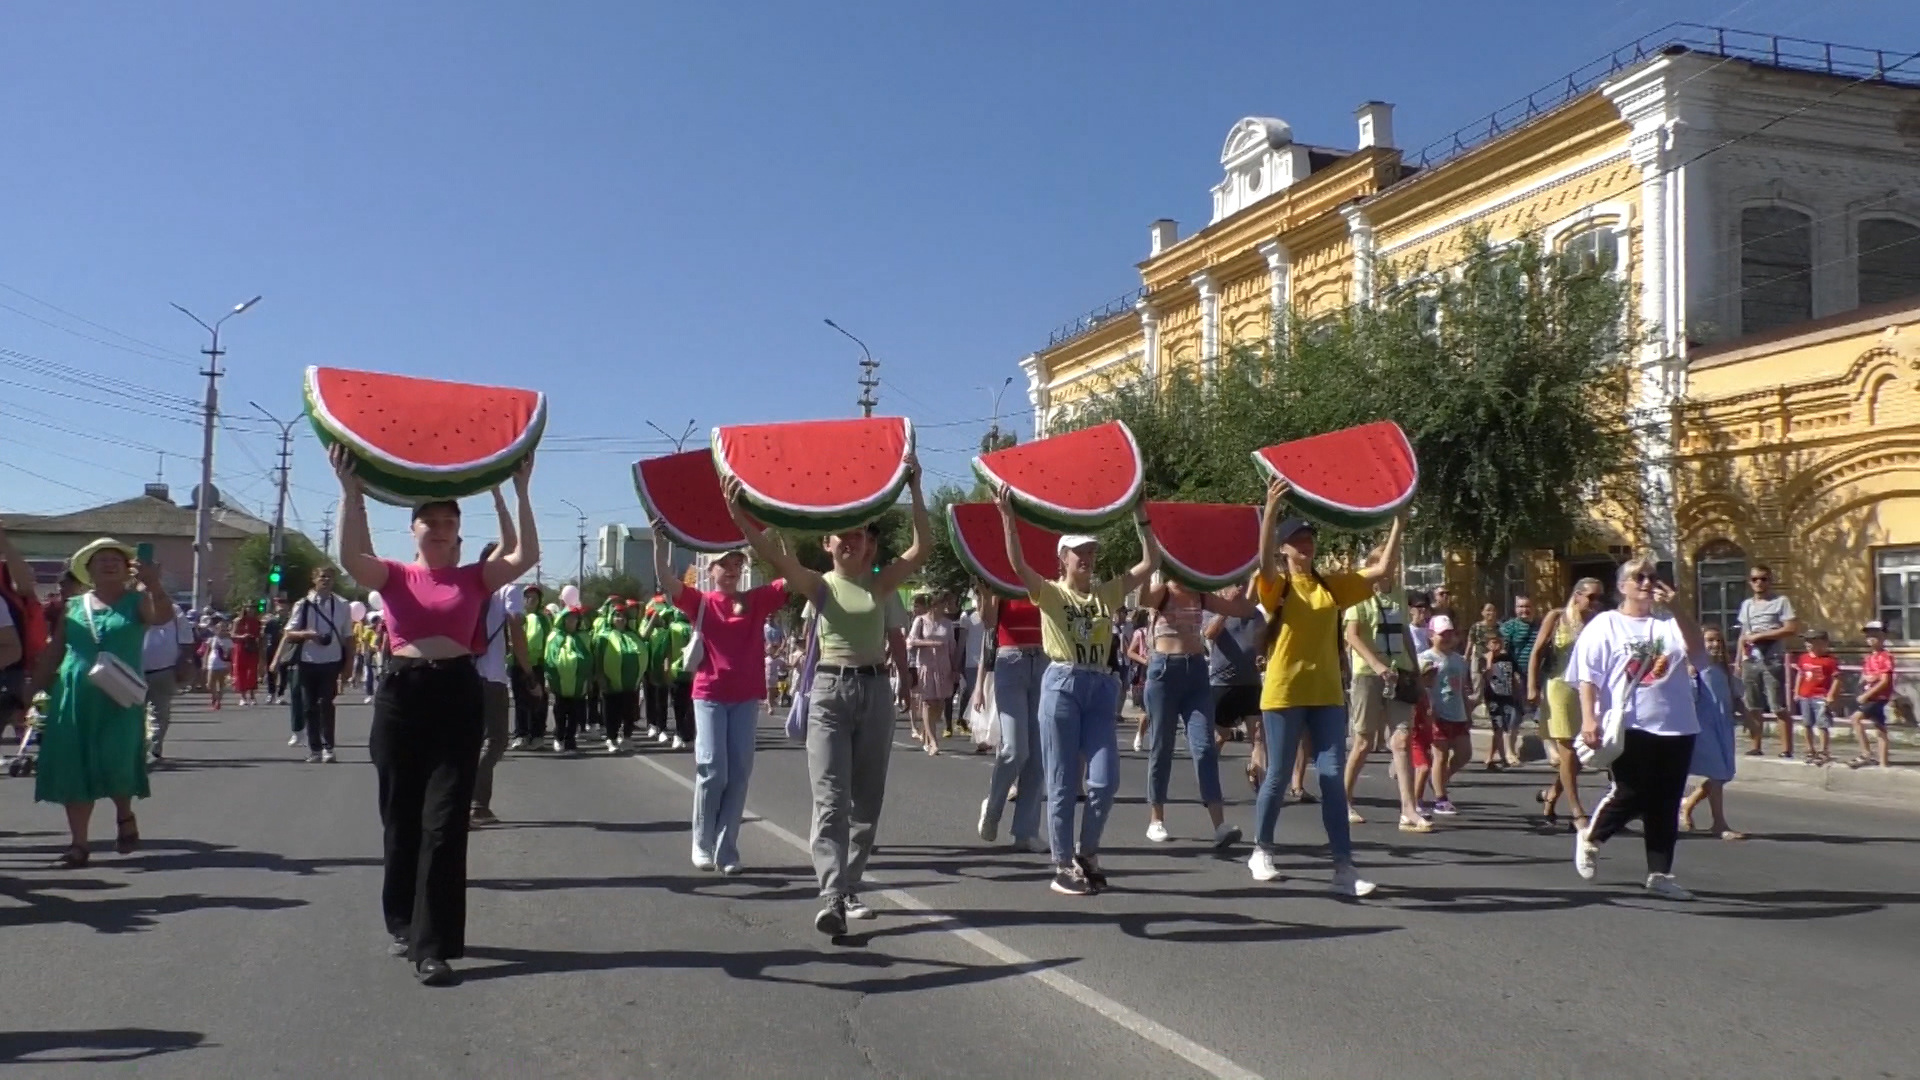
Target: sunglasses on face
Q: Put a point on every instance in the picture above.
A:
(1644, 580)
(1759, 579)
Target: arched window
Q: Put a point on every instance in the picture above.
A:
(1776, 268)
(1720, 578)
(1596, 248)
(1889, 260)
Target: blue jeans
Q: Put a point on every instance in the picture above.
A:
(1327, 726)
(1179, 692)
(722, 764)
(1078, 709)
(1017, 676)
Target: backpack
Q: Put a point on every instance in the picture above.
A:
(30, 621)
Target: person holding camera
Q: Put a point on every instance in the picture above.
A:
(319, 631)
(1385, 688)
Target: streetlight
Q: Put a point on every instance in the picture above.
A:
(868, 365)
(203, 508)
(278, 545)
(679, 442)
(992, 441)
(582, 578)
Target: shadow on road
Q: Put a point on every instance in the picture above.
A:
(755, 966)
(671, 826)
(38, 904)
(795, 885)
(103, 1046)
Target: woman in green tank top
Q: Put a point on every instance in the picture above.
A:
(851, 718)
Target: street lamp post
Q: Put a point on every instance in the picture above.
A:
(679, 441)
(203, 502)
(278, 544)
(582, 578)
(869, 381)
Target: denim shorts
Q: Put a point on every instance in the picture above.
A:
(1875, 713)
(1813, 713)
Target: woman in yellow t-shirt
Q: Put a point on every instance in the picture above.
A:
(1079, 696)
(1302, 691)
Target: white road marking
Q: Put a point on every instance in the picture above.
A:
(1146, 1027)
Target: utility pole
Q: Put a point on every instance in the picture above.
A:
(278, 543)
(203, 498)
(326, 533)
(582, 578)
(992, 442)
(869, 373)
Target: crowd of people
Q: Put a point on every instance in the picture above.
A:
(1318, 666)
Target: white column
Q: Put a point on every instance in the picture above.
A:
(1209, 320)
(1279, 282)
(1149, 340)
(1037, 395)
(1360, 233)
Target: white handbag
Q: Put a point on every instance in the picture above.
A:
(985, 721)
(111, 675)
(1613, 739)
(696, 649)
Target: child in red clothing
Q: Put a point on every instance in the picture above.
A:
(1876, 693)
(1817, 688)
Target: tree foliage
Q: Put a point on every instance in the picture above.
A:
(1509, 376)
(247, 572)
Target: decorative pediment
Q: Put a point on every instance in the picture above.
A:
(1254, 136)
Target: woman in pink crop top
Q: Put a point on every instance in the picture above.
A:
(1179, 693)
(729, 689)
(427, 723)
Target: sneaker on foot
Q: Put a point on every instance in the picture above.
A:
(612, 747)
(1090, 870)
(1136, 743)
(313, 757)
(1261, 864)
(481, 817)
(1354, 818)
(293, 739)
(1157, 832)
(327, 758)
(1445, 807)
(731, 869)
(1415, 824)
(1225, 836)
(1585, 856)
(663, 738)
(831, 919)
(857, 909)
(1348, 882)
(703, 863)
(398, 946)
(1663, 885)
(368, 700)
(1068, 881)
(516, 743)
(679, 743)
(988, 828)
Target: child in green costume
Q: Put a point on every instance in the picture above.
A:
(569, 672)
(620, 663)
(656, 629)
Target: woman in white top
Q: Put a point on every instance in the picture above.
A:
(219, 661)
(1635, 659)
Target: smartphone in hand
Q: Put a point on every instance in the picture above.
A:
(144, 553)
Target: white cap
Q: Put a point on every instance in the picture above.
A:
(1074, 540)
(1874, 627)
(1440, 624)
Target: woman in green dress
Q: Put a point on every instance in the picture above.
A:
(90, 747)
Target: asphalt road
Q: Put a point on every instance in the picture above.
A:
(244, 939)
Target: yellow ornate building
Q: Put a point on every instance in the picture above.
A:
(1748, 187)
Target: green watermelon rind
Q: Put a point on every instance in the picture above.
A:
(1193, 578)
(395, 490)
(964, 552)
(1339, 515)
(821, 518)
(674, 532)
(1063, 519)
(331, 430)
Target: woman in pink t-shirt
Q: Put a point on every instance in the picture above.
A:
(729, 691)
(427, 715)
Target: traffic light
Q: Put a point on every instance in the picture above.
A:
(260, 606)
(274, 574)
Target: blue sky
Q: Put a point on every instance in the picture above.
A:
(646, 209)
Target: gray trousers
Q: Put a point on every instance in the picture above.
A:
(494, 699)
(161, 687)
(849, 741)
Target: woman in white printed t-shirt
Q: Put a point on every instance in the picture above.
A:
(1636, 658)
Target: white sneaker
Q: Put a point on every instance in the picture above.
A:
(703, 863)
(293, 739)
(1585, 856)
(732, 869)
(327, 758)
(1663, 885)
(557, 744)
(857, 909)
(612, 747)
(516, 743)
(1157, 832)
(679, 743)
(1225, 836)
(659, 736)
(1348, 882)
(1262, 866)
(368, 700)
(1136, 742)
(313, 758)
(989, 829)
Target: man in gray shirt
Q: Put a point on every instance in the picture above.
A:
(1767, 623)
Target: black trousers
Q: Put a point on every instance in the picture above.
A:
(273, 679)
(529, 708)
(313, 690)
(1649, 777)
(622, 712)
(427, 730)
(569, 716)
(596, 717)
(682, 694)
(656, 696)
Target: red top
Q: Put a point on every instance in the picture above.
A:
(1816, 674)
(732, 666)
(1876, 664)
(419, 603)
(1018, 626)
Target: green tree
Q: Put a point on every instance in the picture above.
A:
(1508, 376)
(247, 572)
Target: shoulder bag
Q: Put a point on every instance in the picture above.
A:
(1613, 732)
(803, 682)
(696, 650)
(109, 674)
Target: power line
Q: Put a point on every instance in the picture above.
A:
(60, 483)
(93, 435)
(176, 359)
(39, 449)
(45, 368)
(90, 337)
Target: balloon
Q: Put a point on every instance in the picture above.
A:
(374, 602)
(570, 596)
(358, 611)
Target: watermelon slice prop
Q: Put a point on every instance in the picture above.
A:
(1075, 482)
(1206, 546)
(681, 492)
(817, 475)
(980, 541)
(1354, 478)
(415, 440)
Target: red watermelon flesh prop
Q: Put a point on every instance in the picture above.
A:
(817, 474)
(682, 493)
(1073, 482)
(425, 438)
(980, 541)
(1206, 545)
(1354, 478)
